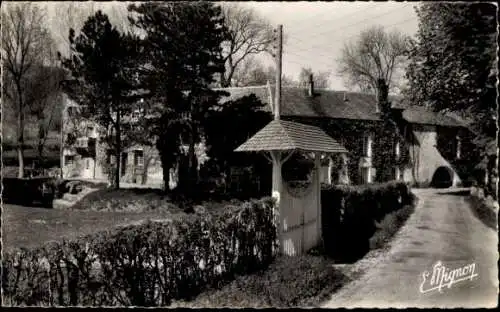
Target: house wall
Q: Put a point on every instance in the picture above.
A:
(426, 157)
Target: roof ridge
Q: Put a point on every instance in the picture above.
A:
(286, 132)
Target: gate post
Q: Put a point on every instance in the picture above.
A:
(277, 188)
(317, 183)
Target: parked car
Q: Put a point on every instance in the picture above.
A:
(29, 191)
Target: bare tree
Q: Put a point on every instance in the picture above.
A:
(24, 41)
(321, 78)
(249, 35)
(376, 55)
(70, 15)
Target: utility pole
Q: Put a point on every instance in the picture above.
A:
(279, 52)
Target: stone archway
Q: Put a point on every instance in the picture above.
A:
(442, 177)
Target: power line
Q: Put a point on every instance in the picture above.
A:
(322, 46)
(353, 24)
(341, 18)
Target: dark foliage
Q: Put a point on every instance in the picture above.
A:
(350, 215)
(29, 191)
(183, 47)
(104, 81)
(484, 211)
(144, 265)
(453, 63)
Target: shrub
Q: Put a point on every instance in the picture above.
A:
(288, 282)
(484, 208)
(350, 214)
(144, 265)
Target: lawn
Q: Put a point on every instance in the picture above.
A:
(31, 226)
(24, 226)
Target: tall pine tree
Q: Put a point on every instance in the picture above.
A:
(103, 67)
(183, 47)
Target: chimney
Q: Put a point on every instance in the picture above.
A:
(345, 97)
(311, 85)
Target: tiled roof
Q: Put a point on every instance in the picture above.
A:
(421, 115)
(286, 136)
(331, 104)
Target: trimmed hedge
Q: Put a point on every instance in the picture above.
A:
(149, 264)
(350, 215)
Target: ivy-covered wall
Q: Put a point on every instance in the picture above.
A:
(350, 133)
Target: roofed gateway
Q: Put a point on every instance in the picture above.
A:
(296, 214)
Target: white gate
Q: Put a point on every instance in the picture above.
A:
(299, 218)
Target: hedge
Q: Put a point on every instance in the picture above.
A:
(149, 264)
(350, 215)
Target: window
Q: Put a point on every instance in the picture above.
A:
(87, 164)
(69, 160)
(367, 145)
(459, 143)
(139, 158)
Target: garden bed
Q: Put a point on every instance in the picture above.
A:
(302, 281)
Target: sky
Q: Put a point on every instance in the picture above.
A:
(315, 32)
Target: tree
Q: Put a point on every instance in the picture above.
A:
(45, 95)
(453, 64)
(241, 118)
(254, 73)
(70, 15)
(249, 34)
(104, 80)
(183, 46)
(321, 78)
(24, 45)
(376, 54)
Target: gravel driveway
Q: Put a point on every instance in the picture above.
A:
(444, 229)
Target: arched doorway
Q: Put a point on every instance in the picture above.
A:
(442, 178)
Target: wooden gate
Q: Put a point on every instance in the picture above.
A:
(299, 218)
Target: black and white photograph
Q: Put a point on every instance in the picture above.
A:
(199, 154)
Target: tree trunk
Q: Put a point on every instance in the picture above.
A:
(145, 170)
(20, 140)
(118, 150)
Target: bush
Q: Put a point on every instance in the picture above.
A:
(26, 191)
(288, 282)
(352, 212)
(484, 208)
(144, 265)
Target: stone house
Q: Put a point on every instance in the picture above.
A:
(425, 153)
(85, 157)
(428, 147)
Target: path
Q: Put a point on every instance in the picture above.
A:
(444, 229)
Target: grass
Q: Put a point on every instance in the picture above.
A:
(302, 281)
(32, 226)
